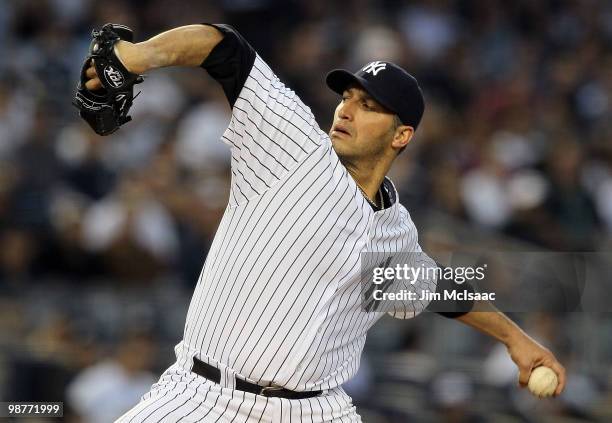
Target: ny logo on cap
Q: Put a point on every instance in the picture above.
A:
(374, 67)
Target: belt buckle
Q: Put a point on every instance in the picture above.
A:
(267, 391)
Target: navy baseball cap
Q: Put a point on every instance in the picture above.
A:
(388, 84)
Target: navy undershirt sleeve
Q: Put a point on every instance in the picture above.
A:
(230, 61)
(449, 308)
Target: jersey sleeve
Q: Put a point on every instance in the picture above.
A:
(422, 285)
(271, 130)
(422, 281)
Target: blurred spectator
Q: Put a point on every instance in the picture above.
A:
(103, 392)
(18, 249)
(569, 203)
(453, 394)
(132, 230)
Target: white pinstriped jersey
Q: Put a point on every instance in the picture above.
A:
(278, 299)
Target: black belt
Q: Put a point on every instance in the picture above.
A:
(214, 374)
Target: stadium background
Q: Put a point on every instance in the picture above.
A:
(102, 239)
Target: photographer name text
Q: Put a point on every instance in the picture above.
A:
(425, 295)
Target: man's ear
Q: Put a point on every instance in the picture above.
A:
(403, 135)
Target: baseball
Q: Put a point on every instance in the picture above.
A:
(542, 382)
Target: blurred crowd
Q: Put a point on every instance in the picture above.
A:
(516, 140)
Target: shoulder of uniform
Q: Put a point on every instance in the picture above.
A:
(405, 217)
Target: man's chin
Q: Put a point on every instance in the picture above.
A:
(337, 144)
(341, 151)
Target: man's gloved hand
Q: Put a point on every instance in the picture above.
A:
(106, 109)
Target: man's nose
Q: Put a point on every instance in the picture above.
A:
(345, 111)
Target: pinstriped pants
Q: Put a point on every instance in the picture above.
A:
(183, 396)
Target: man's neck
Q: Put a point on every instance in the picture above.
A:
(368, 178)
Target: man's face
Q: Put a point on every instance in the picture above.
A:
(362, 127)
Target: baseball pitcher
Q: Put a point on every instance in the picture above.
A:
(277, 322)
